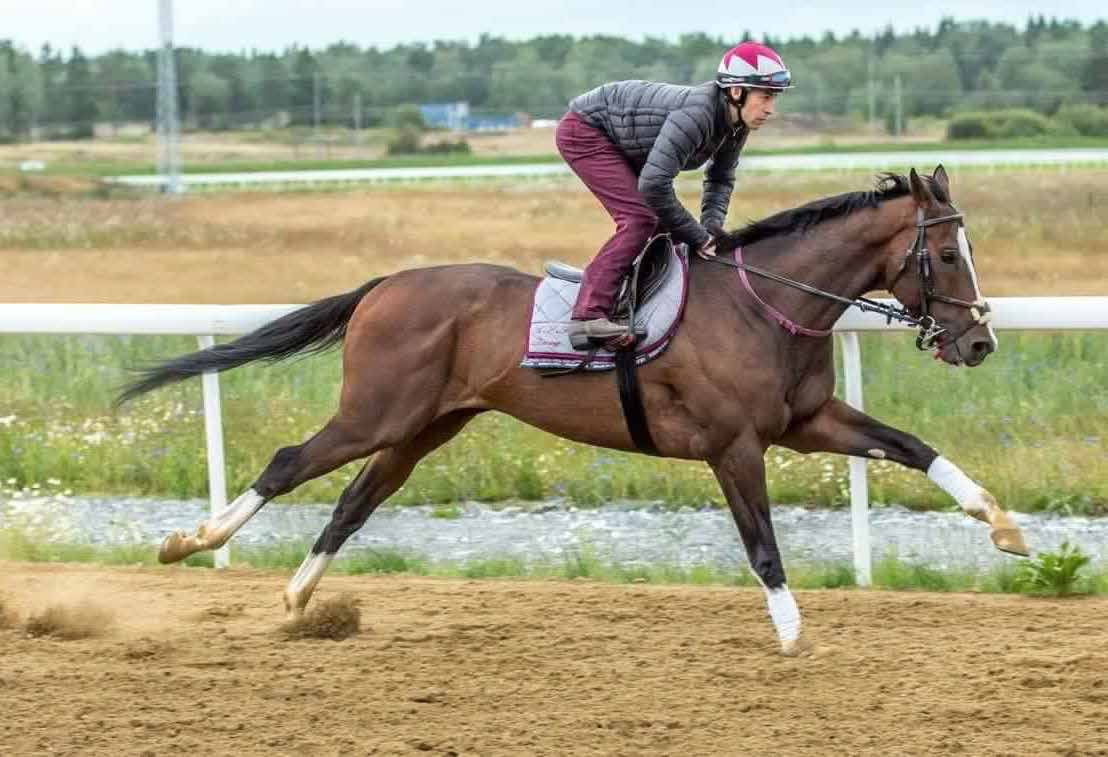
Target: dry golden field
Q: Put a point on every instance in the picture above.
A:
(1035, 233)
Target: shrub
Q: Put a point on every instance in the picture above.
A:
(1087, 120)
(1006, 124)
(1022, 123)
(406, 142)
(1053, 573)
(969, 126)
(446, 147)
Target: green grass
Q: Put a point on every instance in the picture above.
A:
(1028, 424)
(1022, 143)
(889, 573)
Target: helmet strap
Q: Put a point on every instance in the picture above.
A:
(738, 102)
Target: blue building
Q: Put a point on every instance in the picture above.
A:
(453, 116)
(458, 117)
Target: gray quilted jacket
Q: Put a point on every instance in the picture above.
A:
(664, 129)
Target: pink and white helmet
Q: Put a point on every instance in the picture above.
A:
(755, 66)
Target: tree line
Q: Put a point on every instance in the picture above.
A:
(957, 66)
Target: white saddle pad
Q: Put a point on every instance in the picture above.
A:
(548, 336)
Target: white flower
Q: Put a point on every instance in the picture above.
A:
(7, 420)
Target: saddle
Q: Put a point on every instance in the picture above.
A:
(647, 274)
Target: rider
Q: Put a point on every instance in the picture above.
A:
(628, 140)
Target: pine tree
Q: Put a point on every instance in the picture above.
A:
(1094, 79)
(80, 98)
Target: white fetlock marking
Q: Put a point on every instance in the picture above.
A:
(784, 613)
(235, 515)
(957, 484)
(308, 574)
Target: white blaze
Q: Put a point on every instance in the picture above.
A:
(964, 249)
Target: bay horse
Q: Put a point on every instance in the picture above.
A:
(426, 350)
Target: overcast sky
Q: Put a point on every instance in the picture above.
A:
(233, 25)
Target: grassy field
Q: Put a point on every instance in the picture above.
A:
(1029, 423)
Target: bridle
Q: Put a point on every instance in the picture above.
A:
(929, 329)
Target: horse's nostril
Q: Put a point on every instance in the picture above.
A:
(982, 347)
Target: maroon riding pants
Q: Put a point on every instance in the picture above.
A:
(609, 176)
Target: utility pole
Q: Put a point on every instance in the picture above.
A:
(817, 83)
(316, 106)
(169, 125)
(357, 118)
(871, 88)
(899, 107)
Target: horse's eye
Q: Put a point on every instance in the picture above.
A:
(949, 256)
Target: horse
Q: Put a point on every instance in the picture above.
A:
(426, 350)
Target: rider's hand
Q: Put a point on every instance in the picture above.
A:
(707, 250)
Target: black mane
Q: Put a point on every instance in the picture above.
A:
(799, 220)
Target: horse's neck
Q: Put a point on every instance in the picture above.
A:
(838, 258)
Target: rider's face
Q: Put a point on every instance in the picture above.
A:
(758, 108)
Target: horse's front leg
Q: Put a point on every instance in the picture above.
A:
(837, 427)
(742, 475)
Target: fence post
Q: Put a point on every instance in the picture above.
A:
(213, 432)
(859, 487)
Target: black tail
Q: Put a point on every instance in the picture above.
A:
(313, 328)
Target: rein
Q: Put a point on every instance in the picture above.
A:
(929, 330)
(864, 304)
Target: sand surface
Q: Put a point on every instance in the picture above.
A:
(192, 661)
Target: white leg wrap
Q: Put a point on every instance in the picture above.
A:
(957, 484)
(784, 613)
(309, 573)
(235, 515)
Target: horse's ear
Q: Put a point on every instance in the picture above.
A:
(920, 191)
(942, 181)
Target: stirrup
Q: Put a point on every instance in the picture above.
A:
(613, 340)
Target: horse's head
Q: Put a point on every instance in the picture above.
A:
(936, 280)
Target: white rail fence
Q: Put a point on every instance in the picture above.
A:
(868, 161)
(208, 321)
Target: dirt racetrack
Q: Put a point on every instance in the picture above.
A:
(192, 663)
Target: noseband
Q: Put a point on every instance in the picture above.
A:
(929, 329)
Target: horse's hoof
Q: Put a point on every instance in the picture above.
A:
(1010, 540)
(294, 610)
(176, 547)
(797, 648)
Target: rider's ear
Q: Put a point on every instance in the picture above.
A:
(942, 181)
(920, 191)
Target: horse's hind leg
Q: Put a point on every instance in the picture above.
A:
(336, 444)
(376, 482)
(837, 427)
